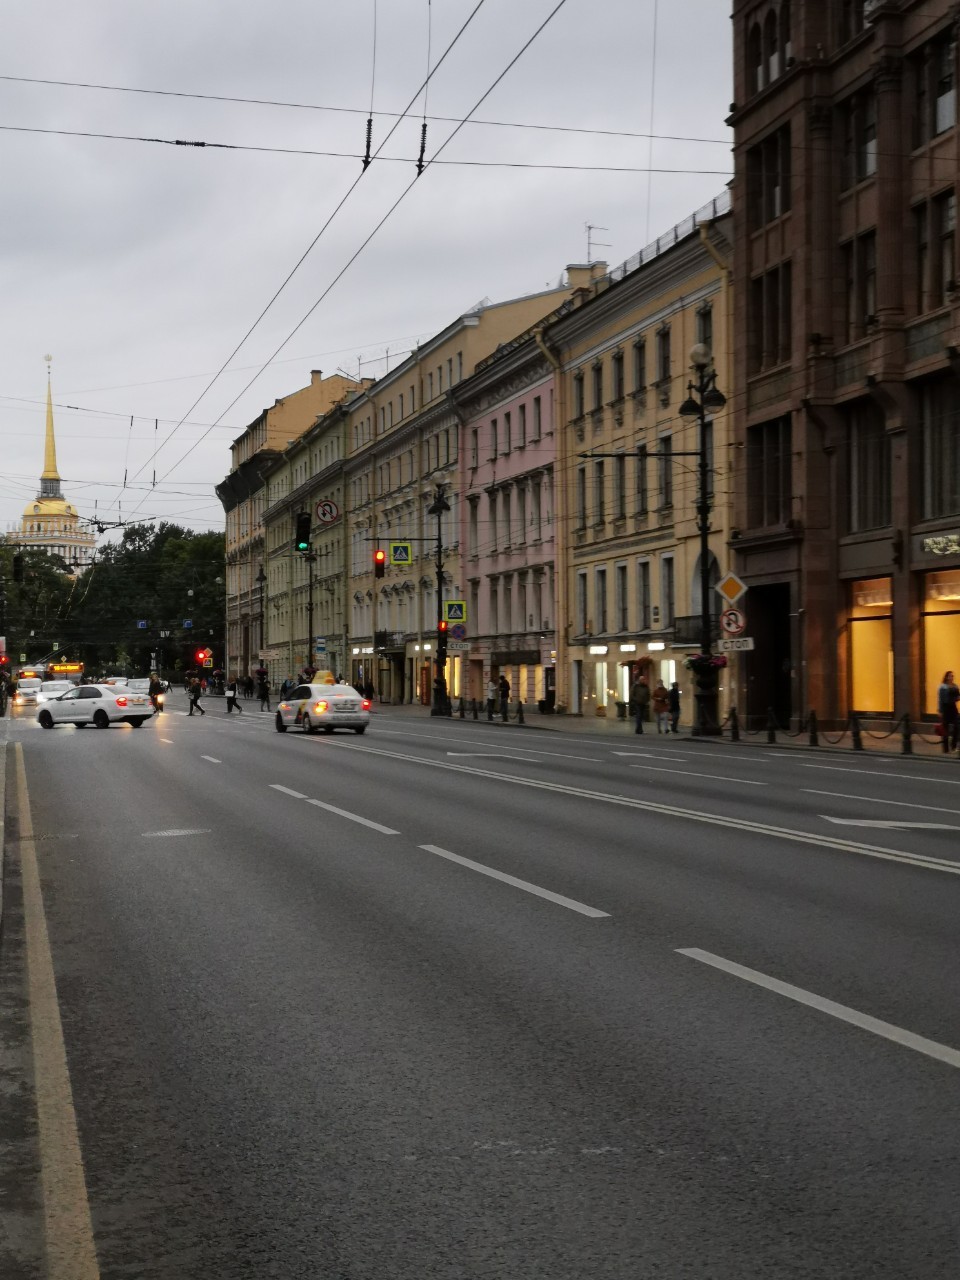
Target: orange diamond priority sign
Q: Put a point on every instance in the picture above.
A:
(731, 588)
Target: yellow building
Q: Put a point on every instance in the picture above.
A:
(403, 440)
(49, 523)
(628, 575)
(243, 496)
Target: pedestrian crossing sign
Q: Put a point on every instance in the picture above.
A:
(400, 553)
(455, 610)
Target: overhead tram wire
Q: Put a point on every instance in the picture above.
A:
(350, 190)
(399, 200)
(359, 111)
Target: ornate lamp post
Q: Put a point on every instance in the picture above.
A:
(441, 703)
(703, 400)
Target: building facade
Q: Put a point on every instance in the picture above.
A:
(50, 523)
(242, 494)
(848, 426)
(628, 546)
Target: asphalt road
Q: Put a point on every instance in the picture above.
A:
(458, 1002)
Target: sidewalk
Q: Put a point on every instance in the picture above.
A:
(610, 727)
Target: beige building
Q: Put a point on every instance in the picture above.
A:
(243, 496)
(628, 576)
(49, 523)
(403, 440)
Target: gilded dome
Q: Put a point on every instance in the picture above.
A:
(47, 507)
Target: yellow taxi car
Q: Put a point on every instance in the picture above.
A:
(322, 706)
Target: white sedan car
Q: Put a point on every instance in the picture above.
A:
(28, 691)
(52, 689)
(321, 708)
(97, 704)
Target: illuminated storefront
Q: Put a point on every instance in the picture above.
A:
(871, 646)
(941, 631)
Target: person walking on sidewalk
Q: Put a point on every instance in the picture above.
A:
(640, 701)
(948, 695)
(232, 697)
(661, 707)
(673, 699)
(504, 698)
(263, 693)
(196, 692)
(491, 697)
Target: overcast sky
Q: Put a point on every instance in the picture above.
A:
(140, 266)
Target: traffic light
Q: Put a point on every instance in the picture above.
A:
(442, 626)
(199, 657)
(303, 531)
(379, 562)
(18, 567)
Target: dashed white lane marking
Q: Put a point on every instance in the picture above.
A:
(177, 831)
(881, 773)
(492, 755)
(719, 777)
(287, 791)
(891, 824)
(901, 804)
(942, 1052)
(170, 740)
(212, 759)
(354, 817)
(558, 898)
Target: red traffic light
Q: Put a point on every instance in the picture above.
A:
(379, 562)
(199, 656)
(442, 625)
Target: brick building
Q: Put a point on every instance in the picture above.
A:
(847, 405)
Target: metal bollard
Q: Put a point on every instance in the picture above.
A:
(520, 713)
(462, 711)
(814, 738)
(906, 737)
(476, 710)
(855, 733)
(771, 726)
(734, 725)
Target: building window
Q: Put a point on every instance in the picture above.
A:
(858, 121)
(597, 387)
(860, 284)
(935, 229)
(601, 602)
(620, 486)
(940, 425)
(668, 594)
(665, 471)
(639, 365)
(474, 447)
(769, 476)
(507, 517)
(933, 72)
(663, 354)
(492, 519)
(643, 492)
(755, 74)
(599, 483)
(507, 433)
(536, 493)
(578, 395)
(429, 386)
(945, 229)
(474, 519)
(581, 623)
(769, 327)
(581, 497)
(521, 426)
(850, 22)
(768, 178)
(643, 595)
(868, 469)
(622, 602)
(521, 513)
(493, 440)
(871, 647)
(771, 48)
(617, 371)
(537, 418)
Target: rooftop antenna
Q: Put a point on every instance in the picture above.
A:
(590, 228)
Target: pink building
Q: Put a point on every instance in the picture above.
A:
(507, 534)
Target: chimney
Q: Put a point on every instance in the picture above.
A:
(316, 377)
(580, 275)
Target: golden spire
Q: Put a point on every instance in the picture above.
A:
(50, 471)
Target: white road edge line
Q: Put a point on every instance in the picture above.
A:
(941, 1052)
(558, 898)
(653, 768)
(176, 831)
(354, 817)
(212, 759)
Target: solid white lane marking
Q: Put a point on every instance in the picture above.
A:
(891, 824)
(792, 834)
(297, 795)
(177, 831)
(558, 898)
(883, 773)
(212, 759)
(493, 755)
(744, 782)
(656, 755)
(354, 817)
(942, 1052)
(67, 1227)
(901, 804)
(436, 737)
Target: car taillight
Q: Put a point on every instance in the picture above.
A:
(320, 706)
(121, 702)
(365, 704)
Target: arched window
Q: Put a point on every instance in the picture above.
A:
(755, 80)
(786, 41)
(771, 48)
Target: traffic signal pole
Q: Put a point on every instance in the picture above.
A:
(441, 702)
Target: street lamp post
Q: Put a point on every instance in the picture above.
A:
(310, 557)
(704, 399)
(441, 703)
(261, 581)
